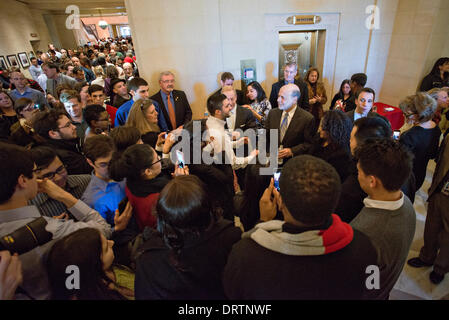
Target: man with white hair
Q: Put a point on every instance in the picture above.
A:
(173, 103)
(296, 126)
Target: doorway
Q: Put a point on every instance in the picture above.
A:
(305, 48)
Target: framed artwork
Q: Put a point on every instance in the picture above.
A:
(12, 59)
(23, 58)
(3, 64)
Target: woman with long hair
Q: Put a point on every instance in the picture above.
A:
(143, 116)
(438, 76)
(92, 254)
(185, 258)
(7, 114)
(141, 166)
(342, 97)
(317, 93)
(22, 132)
(259, 103)
(332, 142)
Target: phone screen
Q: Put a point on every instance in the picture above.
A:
(180, 157)
(396, 134)
(276, 176)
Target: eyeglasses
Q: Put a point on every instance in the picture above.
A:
(159, 159)
(70, 123)
(51, 175)
(31, 107)
(168, 81)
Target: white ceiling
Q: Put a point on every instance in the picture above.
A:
(85, 6)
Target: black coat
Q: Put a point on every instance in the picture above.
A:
(183, 111)
(202, 260)
(433, 80)
(300, 133)
(303, 100)
(69, 152)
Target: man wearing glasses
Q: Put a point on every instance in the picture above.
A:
(174, 107)
(49, 166)
(60, 134)
(103, 194)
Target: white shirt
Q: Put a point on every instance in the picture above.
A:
(231, 120)
(289, 117)
(42, 80)
(386, 205)
(222, 142)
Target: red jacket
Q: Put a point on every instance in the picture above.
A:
(143, 209)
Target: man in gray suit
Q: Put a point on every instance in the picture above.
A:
(436, 231)
(296, 126)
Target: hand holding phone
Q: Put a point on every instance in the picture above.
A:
(396, 134)
(122, 205)
(180, 157)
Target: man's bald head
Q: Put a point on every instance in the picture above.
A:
(288, 96)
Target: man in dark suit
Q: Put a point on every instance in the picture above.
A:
(296, 126)
(290, 72)
(435, 251)
(241, 118)
(227, 79)
(364, 100)
(173, 103)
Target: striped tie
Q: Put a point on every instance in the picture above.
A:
(284, 125)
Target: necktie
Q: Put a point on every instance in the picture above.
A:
(284, 125)
(171, 113)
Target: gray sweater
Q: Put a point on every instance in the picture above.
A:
(391, 232)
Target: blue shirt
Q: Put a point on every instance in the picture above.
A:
(164, 99)
(37, 96)
(123, 111)
(104, 196)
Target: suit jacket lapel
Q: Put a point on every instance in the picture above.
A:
(443, 165)
(292, 122)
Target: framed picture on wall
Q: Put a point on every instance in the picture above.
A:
(24, 60)
(3, 64)
(12, 59)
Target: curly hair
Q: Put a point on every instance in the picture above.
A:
(338, 127)
(420, 104)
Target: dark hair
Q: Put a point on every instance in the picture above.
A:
(21, 104)
(338, 127)
(255, 185)
(360, 79)
(183, 210)
(7, 94)
(82, 248)
(260, 92)
(92, 112)
(387, 160)
(80, 85)
(215, 102)
(371, 127)
(45, 121)
(135, 83)
(438, 63)
(101, 61)
(33, 58)
(16, 161)
(94, 88)
(226, 76)
(310, 189)
(131, 163)
(369, 90)
(98, 146)
(346, 81)
(124, 137)
(43, 156)
(76, 69)
(306, 78)
(85, 62)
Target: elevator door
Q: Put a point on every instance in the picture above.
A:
(300, 47)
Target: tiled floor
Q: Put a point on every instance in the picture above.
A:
(414, 283)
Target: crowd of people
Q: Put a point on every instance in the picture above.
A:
(90, 181)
